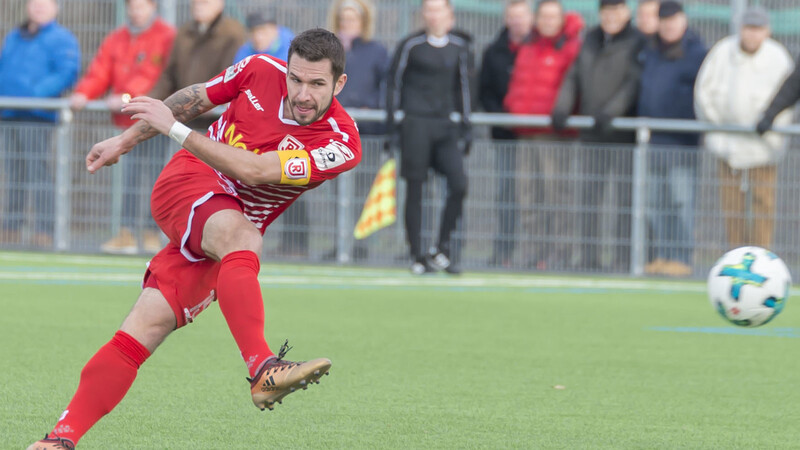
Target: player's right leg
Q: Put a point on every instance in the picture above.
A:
(106, 378)
(229, 237)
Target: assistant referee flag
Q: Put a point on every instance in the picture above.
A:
(380, 209)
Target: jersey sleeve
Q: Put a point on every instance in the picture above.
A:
(340, 152)
(226, 86)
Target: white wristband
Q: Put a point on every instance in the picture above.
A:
(179, 132)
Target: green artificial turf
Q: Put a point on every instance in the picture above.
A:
(433, 362)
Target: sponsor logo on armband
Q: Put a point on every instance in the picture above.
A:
(332, 155)
(296, 169)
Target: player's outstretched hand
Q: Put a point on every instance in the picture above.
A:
(152, 111)
(105, 153)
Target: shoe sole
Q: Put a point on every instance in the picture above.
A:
(317, 369)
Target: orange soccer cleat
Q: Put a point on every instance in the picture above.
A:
(277, 378)
(52, 443)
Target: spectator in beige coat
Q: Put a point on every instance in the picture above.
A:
(736, 82)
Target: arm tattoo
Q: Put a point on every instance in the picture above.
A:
(186, 104)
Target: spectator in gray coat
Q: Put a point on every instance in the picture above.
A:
(604, 83)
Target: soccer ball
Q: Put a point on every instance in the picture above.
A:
(749, 286)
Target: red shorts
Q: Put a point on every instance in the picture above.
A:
(185, 195)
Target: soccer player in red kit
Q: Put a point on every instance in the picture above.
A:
(282, 134)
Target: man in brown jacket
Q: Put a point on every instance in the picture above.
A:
(204, 47)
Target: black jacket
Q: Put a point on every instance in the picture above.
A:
(429, 81)
(498, 62)
(604, 81)
(787, 96)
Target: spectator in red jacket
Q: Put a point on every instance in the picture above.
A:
(540, 66)
(128, 64)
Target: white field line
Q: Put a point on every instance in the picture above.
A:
(467, 281)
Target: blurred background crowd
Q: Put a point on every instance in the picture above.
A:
(553, 197)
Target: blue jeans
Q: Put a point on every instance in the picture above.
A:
(29, 175)
(671, 202)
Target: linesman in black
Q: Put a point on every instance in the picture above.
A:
(429, 80)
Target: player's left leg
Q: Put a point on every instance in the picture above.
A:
(108, 375)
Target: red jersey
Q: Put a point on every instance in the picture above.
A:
(256, 89)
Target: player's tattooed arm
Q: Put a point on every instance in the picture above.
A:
(185, 104)
(189, 102)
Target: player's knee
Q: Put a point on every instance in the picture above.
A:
(238, 239)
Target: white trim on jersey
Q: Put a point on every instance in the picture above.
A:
(335, 126)
(214, 82)
(280, 115)
(273, 62)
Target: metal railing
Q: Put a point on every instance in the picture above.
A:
(346, 206)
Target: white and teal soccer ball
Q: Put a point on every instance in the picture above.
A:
(749, 286)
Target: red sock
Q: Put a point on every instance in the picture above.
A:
(104, 381)
(239, 298)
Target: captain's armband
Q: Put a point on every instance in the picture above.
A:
(295, 167)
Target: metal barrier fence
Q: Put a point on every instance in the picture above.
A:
(531, 204)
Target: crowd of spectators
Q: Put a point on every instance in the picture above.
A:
(645, 63)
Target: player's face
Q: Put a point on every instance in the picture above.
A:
(41, 12)
(311, 88)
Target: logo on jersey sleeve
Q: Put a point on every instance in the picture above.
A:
(296, 169)
(234, 70)
(290, 143)
(332, 155)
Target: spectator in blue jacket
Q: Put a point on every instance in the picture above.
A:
(40, 58)
(266, 36)
(667, 91)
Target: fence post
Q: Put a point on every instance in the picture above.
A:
(63, 182)
(344, 217)
(168, 11)
(638, 201)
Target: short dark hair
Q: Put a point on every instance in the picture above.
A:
(318, 44)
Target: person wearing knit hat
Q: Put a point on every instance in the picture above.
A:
(735, 84)
(669, 8)
(667, 91)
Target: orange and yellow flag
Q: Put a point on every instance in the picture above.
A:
(380, 209)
